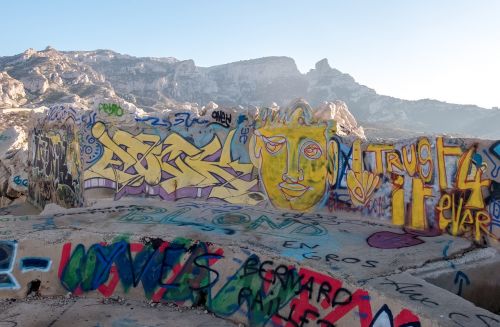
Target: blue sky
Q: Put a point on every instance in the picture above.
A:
(446, 50)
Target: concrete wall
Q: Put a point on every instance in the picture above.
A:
(231, 282)
(288, 160)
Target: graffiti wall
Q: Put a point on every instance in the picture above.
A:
(54, 159)
(232, 283)
(287, 159)
(439, 183)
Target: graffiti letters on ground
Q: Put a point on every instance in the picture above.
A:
(231, 282)
(225, 219)
(35, 264)
(187, 272)
(391, 240)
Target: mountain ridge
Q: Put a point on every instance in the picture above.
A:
(158, 83)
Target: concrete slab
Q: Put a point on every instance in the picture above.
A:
(248, 264)
(357, 248)
(85, 312)
(19, 209)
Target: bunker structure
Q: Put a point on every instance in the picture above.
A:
(270, 218)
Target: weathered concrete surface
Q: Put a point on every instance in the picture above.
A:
(477, 283)
(19, 209)
(83, 312)
(241, 262)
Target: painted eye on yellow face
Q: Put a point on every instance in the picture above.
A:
(312, 150)
(274, 144)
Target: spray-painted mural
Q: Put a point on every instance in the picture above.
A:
(430, 183)
(295, 157)
(54, 157)
(234, 284)
(287, 159)
(171, 167)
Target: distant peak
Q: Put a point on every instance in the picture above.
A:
(28, 53)
(49, 48)
(323, 65)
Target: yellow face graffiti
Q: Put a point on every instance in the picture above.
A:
(293, 160)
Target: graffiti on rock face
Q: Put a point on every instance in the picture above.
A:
(111, 109)
(495, 149)
(19, 181)
(494, 210)
(179, 119)
(462, 210)
(361, 183)
(61, 114)
(221, 118)
(431, 184)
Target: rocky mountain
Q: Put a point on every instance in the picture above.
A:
(35, 78)
(152, 84)
(378, 112)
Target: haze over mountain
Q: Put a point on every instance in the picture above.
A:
(36, 78)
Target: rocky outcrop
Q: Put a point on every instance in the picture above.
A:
(338, 111)
(35, 82)
(325, 83)
(12, 93)
(14, 125)
(50, 77)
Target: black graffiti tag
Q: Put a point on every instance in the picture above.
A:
(410, 290)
